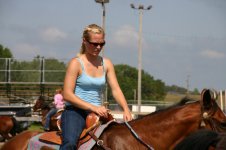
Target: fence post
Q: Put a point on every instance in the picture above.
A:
(221, 100)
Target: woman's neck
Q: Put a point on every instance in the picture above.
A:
(91, 58)
(94, 60)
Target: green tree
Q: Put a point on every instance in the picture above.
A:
(127, 77)
(176, 89)
(54, 70)
(5, 52)
(195, 91)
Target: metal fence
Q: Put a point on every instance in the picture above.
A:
(24, 79)
(35, 71)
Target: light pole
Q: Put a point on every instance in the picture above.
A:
(140, 8)
(102, 2)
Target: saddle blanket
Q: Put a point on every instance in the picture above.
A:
(36, 144)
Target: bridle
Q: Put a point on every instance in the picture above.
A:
(207, 118)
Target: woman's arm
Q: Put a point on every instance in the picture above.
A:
(73, 70)
(116, 90)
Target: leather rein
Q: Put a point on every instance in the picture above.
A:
(137, 137)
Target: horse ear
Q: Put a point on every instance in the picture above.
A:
(207, 98)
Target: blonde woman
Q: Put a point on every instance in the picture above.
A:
(84, 82)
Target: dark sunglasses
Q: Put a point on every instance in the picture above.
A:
(96, 44)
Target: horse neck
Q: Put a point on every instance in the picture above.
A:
(170, 124)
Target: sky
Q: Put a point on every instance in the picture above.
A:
(183, 41)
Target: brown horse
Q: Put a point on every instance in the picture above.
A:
(40, 105)
(164, 129)
(20, 141)
(8, 127)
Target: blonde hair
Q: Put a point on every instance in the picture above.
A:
(92, 28)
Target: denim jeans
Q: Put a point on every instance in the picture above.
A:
(48, 117)
(72, 123)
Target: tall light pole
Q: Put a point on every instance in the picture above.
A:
(140, 8)
(103, 2)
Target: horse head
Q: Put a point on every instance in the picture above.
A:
(39, 104)
(212, 116)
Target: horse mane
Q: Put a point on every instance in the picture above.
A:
(185, 100)
(201, 139)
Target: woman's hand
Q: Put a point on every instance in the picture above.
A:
(127, 116)
(101, 111)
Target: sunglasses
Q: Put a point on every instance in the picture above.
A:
(96, 44)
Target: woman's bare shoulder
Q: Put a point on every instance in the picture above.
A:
(73, 61)
(108, 63)
(107, 60)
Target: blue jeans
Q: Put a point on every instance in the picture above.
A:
(72, 123)
(52, 112)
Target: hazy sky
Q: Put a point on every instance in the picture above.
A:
(182, 39)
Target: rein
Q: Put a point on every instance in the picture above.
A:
(137, 137)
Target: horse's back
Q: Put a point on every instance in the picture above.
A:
(20, 141)
(117, 137)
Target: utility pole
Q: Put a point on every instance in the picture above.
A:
(187, 81)
(141, 9)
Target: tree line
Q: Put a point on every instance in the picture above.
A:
(152, 89)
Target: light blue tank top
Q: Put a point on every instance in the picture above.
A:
(90, 89)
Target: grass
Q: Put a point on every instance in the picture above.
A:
(177, 97)
(36, 126)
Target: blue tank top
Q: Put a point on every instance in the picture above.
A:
(90, 89)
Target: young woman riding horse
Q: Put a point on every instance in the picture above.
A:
(40, 105)
(164, 129)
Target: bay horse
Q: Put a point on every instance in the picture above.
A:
(41, 105)
(164, 129)
(204, 140)
(9, 127)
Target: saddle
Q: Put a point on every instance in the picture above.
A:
(93, 121)
(56, 118)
